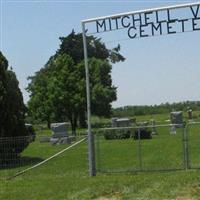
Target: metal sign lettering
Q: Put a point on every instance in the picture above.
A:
(152, 22)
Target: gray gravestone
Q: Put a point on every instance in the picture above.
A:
(59, 130)
(154, 130)
(121, 122)
(176, 119)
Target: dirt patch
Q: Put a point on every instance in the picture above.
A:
(184, 197)
(108, 198)
(191, 192)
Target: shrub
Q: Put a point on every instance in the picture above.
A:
(142, 133)
(117, 134)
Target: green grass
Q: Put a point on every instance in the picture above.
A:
(66, 177)
(163, 152)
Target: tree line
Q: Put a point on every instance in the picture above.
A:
(155, 109)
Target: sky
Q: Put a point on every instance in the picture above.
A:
(156, 70)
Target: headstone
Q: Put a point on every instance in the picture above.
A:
(173, 130)
(154, 130)
(121, 122)
(177, 119)
(31, 132)
(64, 140)
(59, 134)
(54, 141)
(190, 117)
(59, 130)
(113, 121)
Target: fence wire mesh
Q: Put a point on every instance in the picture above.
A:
(146, 148)
(10, 159)
(193, 143)
(131, 149)
(20, 153)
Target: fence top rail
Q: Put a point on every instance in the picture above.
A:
(139, 127)
(15, 137)
(141, 11)
(193, 123)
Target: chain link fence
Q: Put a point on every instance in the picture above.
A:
(193, 145)
(132, 149)
(144, 148)
(10, 158)
(20, 153)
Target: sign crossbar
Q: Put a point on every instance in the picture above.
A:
(142, 11)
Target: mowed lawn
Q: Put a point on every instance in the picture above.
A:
(66, 176)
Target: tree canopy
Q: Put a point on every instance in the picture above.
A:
(58, 91)
(12, 108)
(12, 112)
(73, 46)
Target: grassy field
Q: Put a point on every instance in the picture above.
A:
(66, 177)
(163, 152)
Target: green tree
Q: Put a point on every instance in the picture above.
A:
(11, 103)
(3, 68)
(73, 46)
(12, 110)
(58, 91)
(40, 107)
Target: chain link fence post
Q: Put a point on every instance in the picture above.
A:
(97, 150)
(91, 153)
(139, 150)
(185, 144)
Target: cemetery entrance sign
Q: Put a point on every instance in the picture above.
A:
(139, 24)
(154, 22)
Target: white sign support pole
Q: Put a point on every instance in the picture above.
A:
(91, 152)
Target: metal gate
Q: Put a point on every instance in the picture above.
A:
(124, 149)
(193, 145)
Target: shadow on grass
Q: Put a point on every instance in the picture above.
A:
(19, 162)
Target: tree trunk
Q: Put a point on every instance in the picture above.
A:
(82, 119)
(48, 123)
(73, 120)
